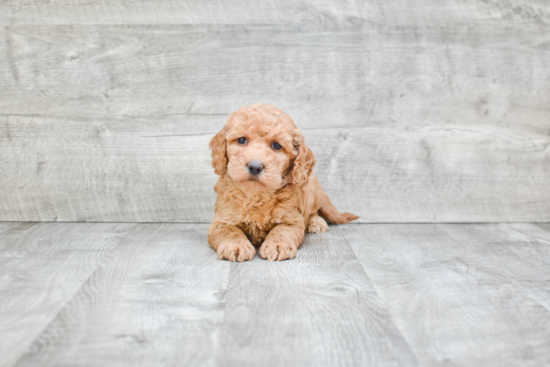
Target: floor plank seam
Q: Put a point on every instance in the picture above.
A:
(403, 335)
(223, 333)
(69, 299)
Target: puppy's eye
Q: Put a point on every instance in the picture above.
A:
(276, 146)
(241, 141)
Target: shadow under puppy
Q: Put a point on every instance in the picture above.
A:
(267, 195)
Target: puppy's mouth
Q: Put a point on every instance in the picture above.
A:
(253, 182)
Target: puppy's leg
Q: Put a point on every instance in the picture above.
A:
(282, 242)
(317, 224)
(230, 243)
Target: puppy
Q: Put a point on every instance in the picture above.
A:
(267, 195)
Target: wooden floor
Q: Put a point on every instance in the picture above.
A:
(113, 294)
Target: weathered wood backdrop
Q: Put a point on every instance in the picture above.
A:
(418, 111)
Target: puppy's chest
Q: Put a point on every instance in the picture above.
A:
(257, 219)
(261, 216)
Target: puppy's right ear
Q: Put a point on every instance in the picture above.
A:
(219, 153)
(304, 162)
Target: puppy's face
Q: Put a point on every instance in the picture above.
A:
(259, 155)
(261, 148)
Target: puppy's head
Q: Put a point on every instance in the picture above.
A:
(261, 148)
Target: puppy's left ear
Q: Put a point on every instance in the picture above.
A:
(303, 163)
(219, 153)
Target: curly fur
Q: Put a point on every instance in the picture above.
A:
(276, 208)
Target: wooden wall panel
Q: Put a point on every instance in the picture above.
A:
(93, 170)
(412, 119)
(337, 76)
(396, 12)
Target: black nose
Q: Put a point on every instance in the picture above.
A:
(255, 168)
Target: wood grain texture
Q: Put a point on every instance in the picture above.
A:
(179, 12)
(43, 266)
(482, 173)
(411, 123)
(457, 292)
(104, 294)
(113, 177)
(317, 310)
(399, 12)
(157, 300)
(12, 232)
(530, 264)
(322, 75)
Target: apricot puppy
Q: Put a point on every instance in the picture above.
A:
(267, 195)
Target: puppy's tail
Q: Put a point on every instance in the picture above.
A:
(330, 213)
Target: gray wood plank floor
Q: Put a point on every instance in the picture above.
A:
(42, 267)
(102, 294)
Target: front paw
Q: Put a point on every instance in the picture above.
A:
(272, 251)
(236, 250)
